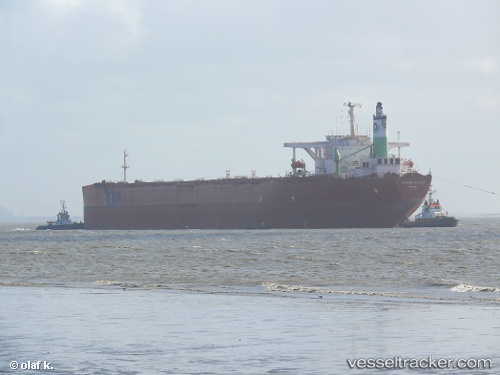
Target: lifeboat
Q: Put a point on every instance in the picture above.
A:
(298, 164)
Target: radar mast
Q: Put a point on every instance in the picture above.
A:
(351, 116)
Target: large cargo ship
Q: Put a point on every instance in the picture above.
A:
(357, 183)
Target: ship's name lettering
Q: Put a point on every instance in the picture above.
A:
(413, 182)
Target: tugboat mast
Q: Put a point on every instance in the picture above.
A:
(125, 166)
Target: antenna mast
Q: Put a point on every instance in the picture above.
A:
(399, 147)
(125, 166)
(351, 116)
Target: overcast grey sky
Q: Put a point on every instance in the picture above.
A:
(192, 88)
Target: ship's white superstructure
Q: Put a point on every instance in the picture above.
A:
(355, 155)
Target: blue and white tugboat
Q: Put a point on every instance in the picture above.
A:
(63, 221)
(432, 215)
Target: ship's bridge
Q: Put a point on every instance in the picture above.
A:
(353, 155)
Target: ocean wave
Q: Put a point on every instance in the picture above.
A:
(441, 283)
(462, 288)
(274, 287)
(127, 285)
(22, 283)
(41, 284)
(106, 282)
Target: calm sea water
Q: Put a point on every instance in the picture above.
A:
(249, 302)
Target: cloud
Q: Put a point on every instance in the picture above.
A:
(63, 6)
(488, 66)
(73, 29)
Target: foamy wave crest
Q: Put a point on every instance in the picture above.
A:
(125, 285)
(274, 287)
(107, 282)
(473, 288)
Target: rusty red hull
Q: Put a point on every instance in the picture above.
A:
(305, 202)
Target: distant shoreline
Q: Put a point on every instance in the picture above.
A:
(33, 219)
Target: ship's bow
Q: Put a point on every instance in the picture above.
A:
(413, 189)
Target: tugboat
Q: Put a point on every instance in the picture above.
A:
(432, 215)
(63, 221)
